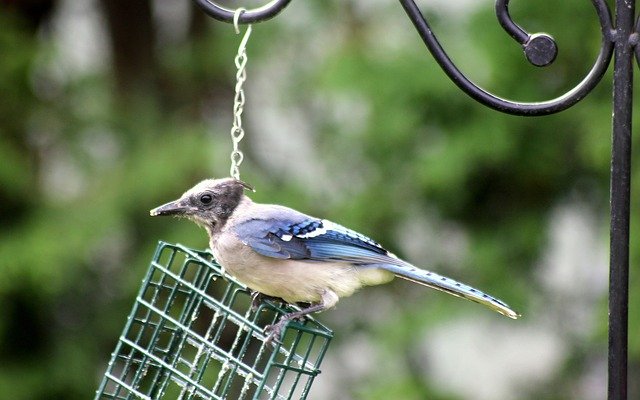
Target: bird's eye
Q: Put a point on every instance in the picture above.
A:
(206, 199)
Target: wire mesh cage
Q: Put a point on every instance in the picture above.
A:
(193, 334)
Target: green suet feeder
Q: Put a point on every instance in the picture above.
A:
(192, 334)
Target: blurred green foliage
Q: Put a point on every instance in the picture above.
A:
(84, 159)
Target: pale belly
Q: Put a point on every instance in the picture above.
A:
(294, 280)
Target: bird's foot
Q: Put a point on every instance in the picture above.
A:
(274, 332)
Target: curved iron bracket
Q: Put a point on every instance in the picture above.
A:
(260, 14)
(539, 48)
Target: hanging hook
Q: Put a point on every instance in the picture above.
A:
(552, 106)
(236, 18)
(259, 14)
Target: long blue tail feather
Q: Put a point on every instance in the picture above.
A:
(448, 285)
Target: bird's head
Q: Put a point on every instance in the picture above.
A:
(209, 203)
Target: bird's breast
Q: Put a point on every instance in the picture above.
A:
(292, 280)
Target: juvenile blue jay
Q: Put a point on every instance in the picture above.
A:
(283, 253)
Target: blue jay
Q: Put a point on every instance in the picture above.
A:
(282, 253)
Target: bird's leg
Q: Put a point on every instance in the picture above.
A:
(274, 332)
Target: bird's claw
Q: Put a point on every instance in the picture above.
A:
(274, 332)
(258, 298)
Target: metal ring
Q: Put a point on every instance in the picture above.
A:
(259, 14)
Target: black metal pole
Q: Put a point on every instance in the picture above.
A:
(620, 193)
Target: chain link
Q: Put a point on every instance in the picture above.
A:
(237, 132)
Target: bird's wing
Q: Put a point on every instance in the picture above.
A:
(307, 238)
(299, 237)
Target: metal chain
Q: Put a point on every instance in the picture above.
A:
(237, 132)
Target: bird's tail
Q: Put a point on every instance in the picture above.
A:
(448, 285)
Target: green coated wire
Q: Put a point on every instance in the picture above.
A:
(176, 338)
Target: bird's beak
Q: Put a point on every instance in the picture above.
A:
(176, 207)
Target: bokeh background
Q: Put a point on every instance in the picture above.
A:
(111, 107)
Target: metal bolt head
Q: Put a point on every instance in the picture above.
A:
(540, 49)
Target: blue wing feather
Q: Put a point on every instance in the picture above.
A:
(265, 237)
(310, 239)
